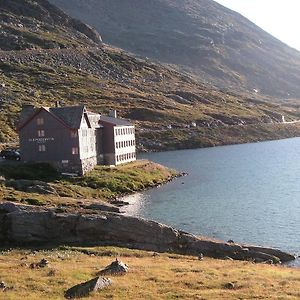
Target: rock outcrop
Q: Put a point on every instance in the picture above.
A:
(32, 186)
(29, 225)
(29, 24)
(84, 289)
(115, 268)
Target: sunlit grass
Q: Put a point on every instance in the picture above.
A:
(105, 183)
(150, 277)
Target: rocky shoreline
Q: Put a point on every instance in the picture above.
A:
(29, 225)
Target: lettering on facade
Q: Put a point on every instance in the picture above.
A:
(41, 140)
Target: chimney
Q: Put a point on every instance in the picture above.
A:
(113, 113)
(28, 106)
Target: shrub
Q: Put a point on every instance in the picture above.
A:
(33, 201)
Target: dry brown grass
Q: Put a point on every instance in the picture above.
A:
(161, 277)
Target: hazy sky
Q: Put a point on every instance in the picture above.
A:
(280, 18)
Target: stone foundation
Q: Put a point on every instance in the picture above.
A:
(88, 164)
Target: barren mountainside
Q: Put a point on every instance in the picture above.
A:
(45, 58)
(28, 24)
(218, 45)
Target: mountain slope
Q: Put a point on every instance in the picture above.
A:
(38, 24)
(218, 45)
(155, 97)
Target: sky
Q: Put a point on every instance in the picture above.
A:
(277, 17)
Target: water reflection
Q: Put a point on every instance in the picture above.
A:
(136, 204)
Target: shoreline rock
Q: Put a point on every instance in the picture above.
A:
(24, 225)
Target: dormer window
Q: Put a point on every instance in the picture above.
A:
(40, 121)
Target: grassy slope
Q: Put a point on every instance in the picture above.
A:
(103, 183)
(106, 78)
(161, 277)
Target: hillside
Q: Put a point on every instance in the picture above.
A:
(102, 77)
(216, 44)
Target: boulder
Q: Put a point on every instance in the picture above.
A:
(31, 225)
(103, 206)
(41, 264)
(9, 207)
(84, 289)
(32, 186)
(229, 286)
(115, 268)
(2, 285)
(44, 189)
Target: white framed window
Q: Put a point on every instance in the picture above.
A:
(75, 150)
(41, 133)
(40, 121)
(42, 148)
(84, 132)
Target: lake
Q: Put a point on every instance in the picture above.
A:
(249, 193)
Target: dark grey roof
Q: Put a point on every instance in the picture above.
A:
(71, 115)
(115, 121)
(26, 113)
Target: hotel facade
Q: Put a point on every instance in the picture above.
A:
(73, 139)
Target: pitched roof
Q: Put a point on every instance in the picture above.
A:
(70, 115)
(26, 113)
(115, 121)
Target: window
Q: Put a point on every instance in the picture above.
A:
(75, 150)
(84, 132)
(74, 134)
(41, 133)
(42, 148)
(40, 121)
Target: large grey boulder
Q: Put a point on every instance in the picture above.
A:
(36, 225)
(115, 268)
(84, 289)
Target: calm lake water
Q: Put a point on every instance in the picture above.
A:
(249, 193)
